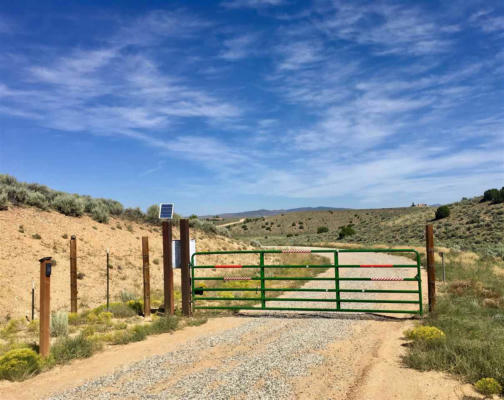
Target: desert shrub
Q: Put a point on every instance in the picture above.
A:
(68, 348)
(134, 214)
(17, 194)
(223, 231)
(289, 235)
(488, 386)
(4, 202)
(322, 229)
(8, 180)
(293, 224)
(17, 364)
(105, 317)
(152, 214)
(163, 324)
(135, 334)
(121, 310)
(493, 195)
(36, 236)
(59, 324)
(100, 213)
(193, 216)
(126, 296)
(428, 334)
(136, 305)
(114, 207)
(37, 199)
(442, 212)
(346, 230)
(255, 243)
(69, 205)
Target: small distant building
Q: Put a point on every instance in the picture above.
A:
(418, 205)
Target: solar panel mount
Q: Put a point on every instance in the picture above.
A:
(166, 211)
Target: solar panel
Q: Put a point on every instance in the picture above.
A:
(165, 211)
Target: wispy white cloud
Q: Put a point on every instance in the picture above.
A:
(251, 3)
(239, 47)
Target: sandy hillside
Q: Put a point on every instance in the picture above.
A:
(20, 252)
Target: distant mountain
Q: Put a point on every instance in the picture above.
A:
(269, 213)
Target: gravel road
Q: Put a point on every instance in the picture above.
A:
(261, 358)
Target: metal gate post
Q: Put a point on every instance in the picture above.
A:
(336, 279)
(263, 295)
(419, 275)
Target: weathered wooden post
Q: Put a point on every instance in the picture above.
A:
(169, 307)
(184, 263)
(108, 280)
(146, 275)
(431, 269)
(441, 253)
(73, 274)
(45, 306)
(33, 300)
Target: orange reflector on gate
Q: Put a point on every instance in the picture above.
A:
(237, 278)
(387, 279)
(377, 265)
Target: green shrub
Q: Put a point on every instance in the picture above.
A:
(17, 364)
(163, 324)
(135, 334)
(152, 214)
(127, 296)
(427, 334)
(59, 324)
(442, 212)
(69, 205)
(17, 194)
(493, 195)
(4, 202)
(68, 348)
(136, 305)
(134, 214)
(346, 230)
(100, 213)
(38, 200)
(114, 207)
(488, 386)
(322, 229)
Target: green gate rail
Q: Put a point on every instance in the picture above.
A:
(198, 291)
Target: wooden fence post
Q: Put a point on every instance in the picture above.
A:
(184, 263)
(146, 275)
(169, 307)
(108, 279)
(431, 268)
(45, 306)
(73, 274)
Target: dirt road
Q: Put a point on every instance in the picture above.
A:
(255, 356)
(232, 223)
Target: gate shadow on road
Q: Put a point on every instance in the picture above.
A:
(338, 316)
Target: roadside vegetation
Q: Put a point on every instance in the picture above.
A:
(13, 192)
(470, 315)
(80, 335)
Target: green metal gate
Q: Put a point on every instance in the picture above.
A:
(212, 302)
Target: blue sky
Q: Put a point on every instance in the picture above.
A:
(245, 104)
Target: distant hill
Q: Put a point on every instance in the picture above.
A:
(472, 225)
(269, 213)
